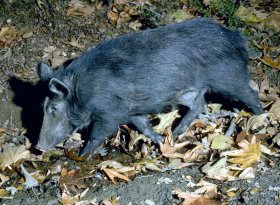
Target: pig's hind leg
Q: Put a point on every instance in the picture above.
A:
(142, 124)
(232, 81)
(240, 90)
(195, 101)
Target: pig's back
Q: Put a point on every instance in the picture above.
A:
(150, 67)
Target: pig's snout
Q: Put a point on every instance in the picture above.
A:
(43, 148)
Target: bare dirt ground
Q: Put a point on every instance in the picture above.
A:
(46, 32)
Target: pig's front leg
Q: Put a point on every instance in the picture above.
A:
(99, 133)
(142, 124)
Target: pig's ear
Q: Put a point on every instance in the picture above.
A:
(44, 71)
(58, 88)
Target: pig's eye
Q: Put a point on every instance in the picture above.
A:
(53, 108)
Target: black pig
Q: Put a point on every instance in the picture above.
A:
(122, 80)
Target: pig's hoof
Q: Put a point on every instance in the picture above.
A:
(83, 152)
(86, 150)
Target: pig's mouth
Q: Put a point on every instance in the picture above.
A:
(49, 146)
(42, 146)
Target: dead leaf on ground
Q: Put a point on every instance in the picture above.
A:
(217, 170)
(27, 33)
(112, 201)
(30, 181)
(135, 137)
(266, 48)
(55, 55)
(135, 25)
(246, 156)
(113, 16)
(275, 109)
(3, 193)
(112, 174)
(196, 154)
(272, 22)
(181, 15)
(214, 107)
(250, 14)
(3, 179)
(256, 121)
(67, 199)
(125, 170)
(11, 154)
(248, 173)
(2, 130)
(207, 188)
(166, 121)
(221, 142)
(194, 199)
(178, 164)
(276, 139)
(8, 35)
(274, 63)
(152, 166)
(58, 57)
(73, 179)
(75, 43)
(171, 151)
(79, 8)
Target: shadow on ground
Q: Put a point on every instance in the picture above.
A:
(30, 98)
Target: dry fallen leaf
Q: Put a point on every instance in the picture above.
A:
(27, 33)
(275, 109)
(276, 139)
(135, 25)
(57, 58)
(3, 179)
(181, 15)
(8, 35)
(250, 14)
(274, 63)
(246, 156)
(112, 16)
(75, 43)
(171, 151)
(166, 121)
(112, 201)
(256, 121)
(217, 170)
(214, 107)
(135, 137)
(73, 179)
(207, 188)
(248, 173)
(221, 142)
(178, 164)
(2, 130)
(194, 199)
(272, 22)
(3, 193)
(112, 174)
(11, 154)
(67, 199)
(152, 166)
(196, 154)
(127, 171)
(30, 181)
(79, 8)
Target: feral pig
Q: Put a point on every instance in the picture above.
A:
(124, 79)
